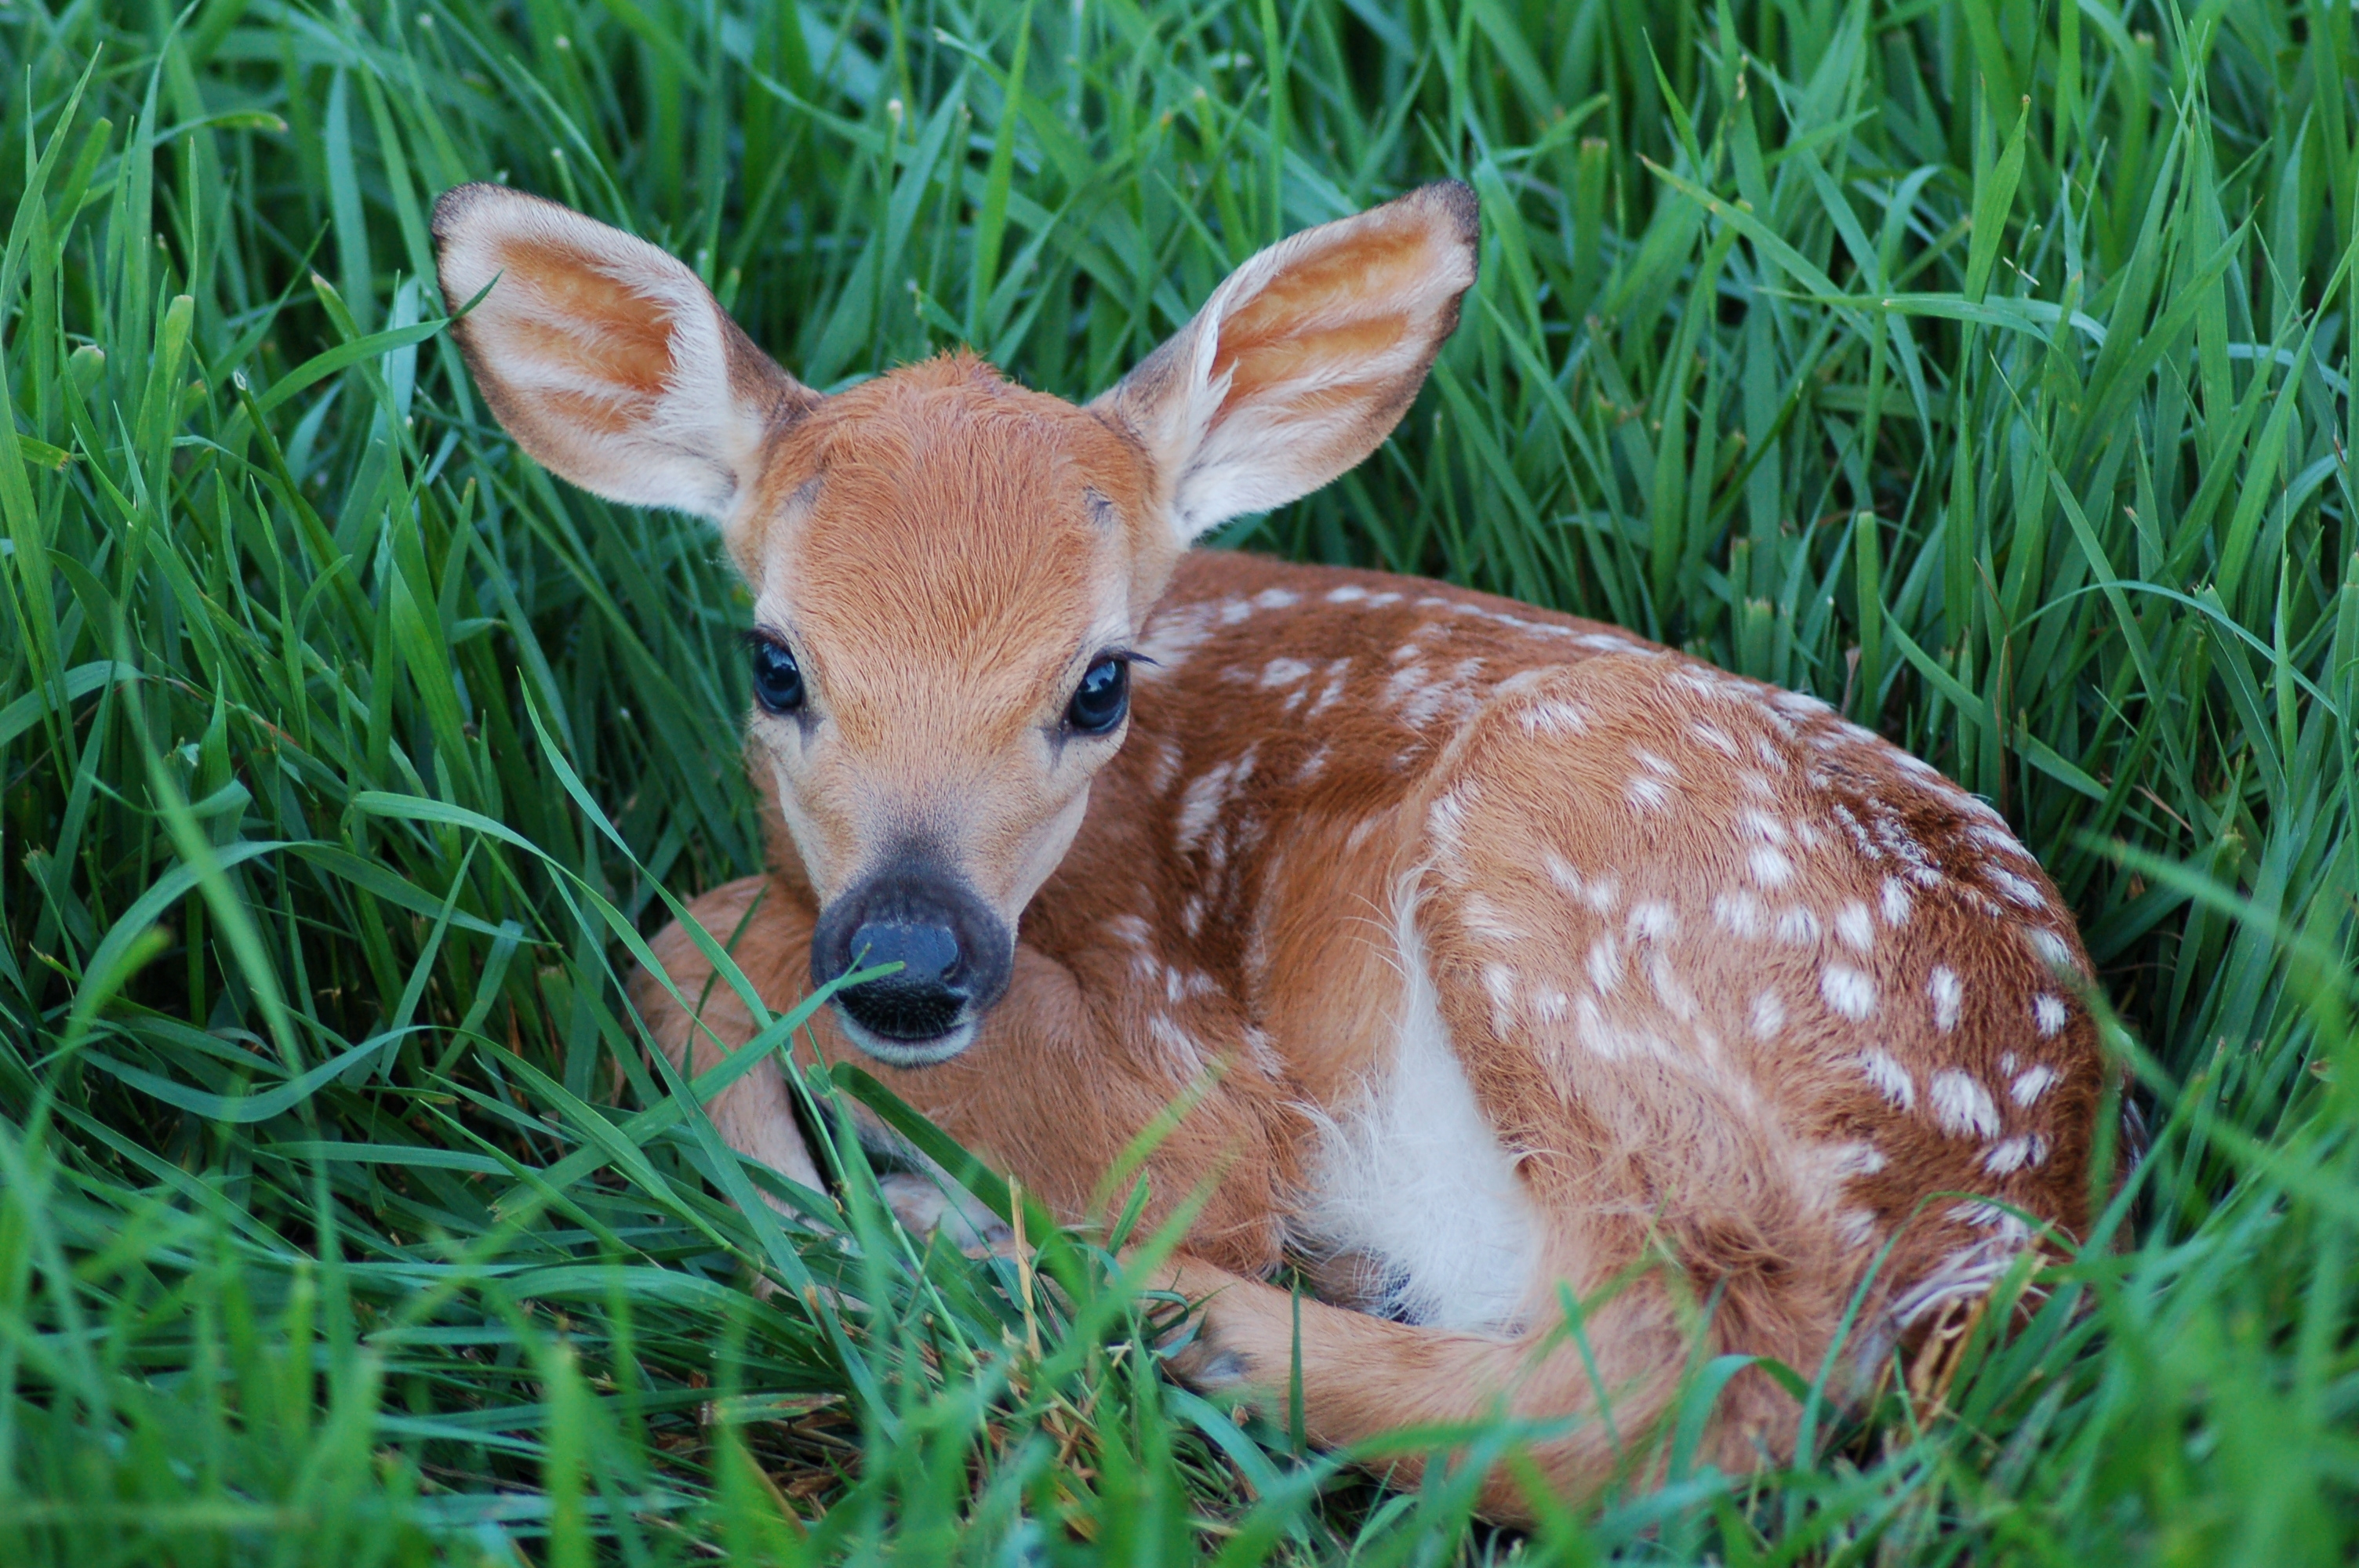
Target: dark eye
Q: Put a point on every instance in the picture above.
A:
(777, 679)
(1103, 697)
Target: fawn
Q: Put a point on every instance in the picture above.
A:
(1514, 958)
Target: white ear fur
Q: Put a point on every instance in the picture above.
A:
(607, 360)
(1303, 360)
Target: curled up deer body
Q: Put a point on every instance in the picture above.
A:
(1514, 960)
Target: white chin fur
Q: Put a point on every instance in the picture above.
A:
(906, 1053)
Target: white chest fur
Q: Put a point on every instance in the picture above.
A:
(1414, 1181)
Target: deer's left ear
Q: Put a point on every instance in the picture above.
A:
(1303, 360)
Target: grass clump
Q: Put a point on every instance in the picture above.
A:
(1982, 367)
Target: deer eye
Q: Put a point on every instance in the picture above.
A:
(777, 679)
(1101, 699)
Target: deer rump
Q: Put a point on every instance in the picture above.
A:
(1505, 959)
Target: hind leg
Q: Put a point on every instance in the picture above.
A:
(1363, 1377)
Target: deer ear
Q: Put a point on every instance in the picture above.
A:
(1303, 360)
(606, 359)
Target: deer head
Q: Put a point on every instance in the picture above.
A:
(948, 571)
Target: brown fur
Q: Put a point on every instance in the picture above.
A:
(1738, 990)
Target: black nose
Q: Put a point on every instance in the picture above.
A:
(955, 951)
(920, 1001)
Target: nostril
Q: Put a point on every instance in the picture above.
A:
(927, 954)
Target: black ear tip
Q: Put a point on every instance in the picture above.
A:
(450, 207)
(1456, 201)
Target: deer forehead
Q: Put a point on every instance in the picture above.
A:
(944, 546)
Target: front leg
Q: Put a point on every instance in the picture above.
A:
(768, 932)
(1051, 1092)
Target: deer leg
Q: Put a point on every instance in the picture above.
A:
(1047, 1092)
(1363, 1377)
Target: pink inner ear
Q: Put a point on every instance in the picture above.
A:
(575, 311)
(1353, 300)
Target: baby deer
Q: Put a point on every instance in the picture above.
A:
(1518, 961)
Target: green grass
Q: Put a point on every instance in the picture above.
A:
(1981, 366)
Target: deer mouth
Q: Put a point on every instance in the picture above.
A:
(896, 1053)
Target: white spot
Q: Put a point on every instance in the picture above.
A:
(1202, 802)
(1771, 758)
(1859, 835)
(1794, 704)
(1276, 597)
(1850, 1161)
(1796, 926)
(1347, 594)
(1555, 718)
(1847, 991)
(1654, 763)
(1961, 1107)
(1482, 919)
(1338, 671)
(2053, 949)
(1378, 600)
(1500, 981)
(1599, 894)
(1942, 986)
(1896, 902)
(1414, 1179)
(1191, 916)
(1172, 636)
(1233, 610)
(1855, 925)
(1605, 964)
(1406, 681)
(1599, 642)
(1768, 1016)
(2034, 1083)
(1713, 736)
(1769, 868)
(1283, 672)
(1999, 841)
(1649, 794)
(1131, 929)
(1312, 766)
(1758, 783)
(2014, 889)
(1739, 912)
(1182, 1057)
(1446, 820)
(2013, 1155)
(1652, 922)
(1857, 1228)
(2048, 1011)
(1889, 1077)
(1666, 981)
(1760, 825)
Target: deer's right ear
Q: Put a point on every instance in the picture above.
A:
(606, 359)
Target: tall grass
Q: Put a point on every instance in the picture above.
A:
(1981, 366)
